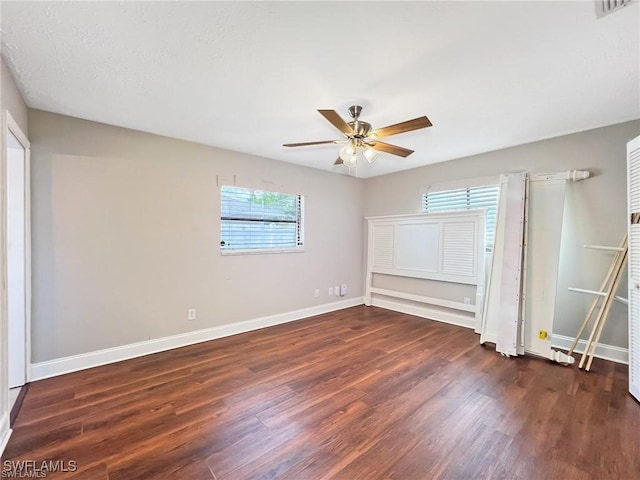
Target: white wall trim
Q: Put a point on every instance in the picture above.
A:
(12, 126)
(439, 302)
(5, 432)
(425, 312)
(604, 351)
(74, 363)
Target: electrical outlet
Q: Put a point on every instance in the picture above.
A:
(343, 289)
(330, 290)
(336, 289)
(316, 293)
(191, 314)
(467, 300)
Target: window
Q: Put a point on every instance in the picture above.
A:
(484, 196)
(255, 220)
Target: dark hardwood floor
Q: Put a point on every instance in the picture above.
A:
(362, 393)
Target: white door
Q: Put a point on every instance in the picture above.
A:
(17, 254)
(633, 191)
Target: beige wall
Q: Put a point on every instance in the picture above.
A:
(126, 230)
(11, 101)
(11, 98)
(595, 211)
(126, 237)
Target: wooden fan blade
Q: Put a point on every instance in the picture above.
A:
(309, 143)
(338, 161)
(337, 121)
(409, 125)
(392, 149)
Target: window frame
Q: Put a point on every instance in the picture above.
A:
(300, 200)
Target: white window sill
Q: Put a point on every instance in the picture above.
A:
(261, 251)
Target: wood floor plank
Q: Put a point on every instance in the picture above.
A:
(358, 393)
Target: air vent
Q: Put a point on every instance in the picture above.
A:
(605, 7)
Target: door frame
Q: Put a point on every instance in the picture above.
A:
(10, 125)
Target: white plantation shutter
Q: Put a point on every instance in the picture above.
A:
(383, 246)
(459, 248)
(633, 180)
(258, 220)
(468, 198)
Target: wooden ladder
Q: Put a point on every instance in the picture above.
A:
(605, 296)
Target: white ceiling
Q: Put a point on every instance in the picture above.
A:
(249, 76)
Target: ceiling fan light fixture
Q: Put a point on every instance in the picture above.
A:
(351, 162)
(348, 155)
(370, 154)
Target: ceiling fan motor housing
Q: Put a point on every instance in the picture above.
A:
(360, 129)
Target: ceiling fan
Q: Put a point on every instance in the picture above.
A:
(360, 139)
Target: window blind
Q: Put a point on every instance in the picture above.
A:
(484, 196)
(257, 219)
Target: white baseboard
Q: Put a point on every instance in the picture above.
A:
(604, 351)
(5, 432)
(425, 312)
(74, 363)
